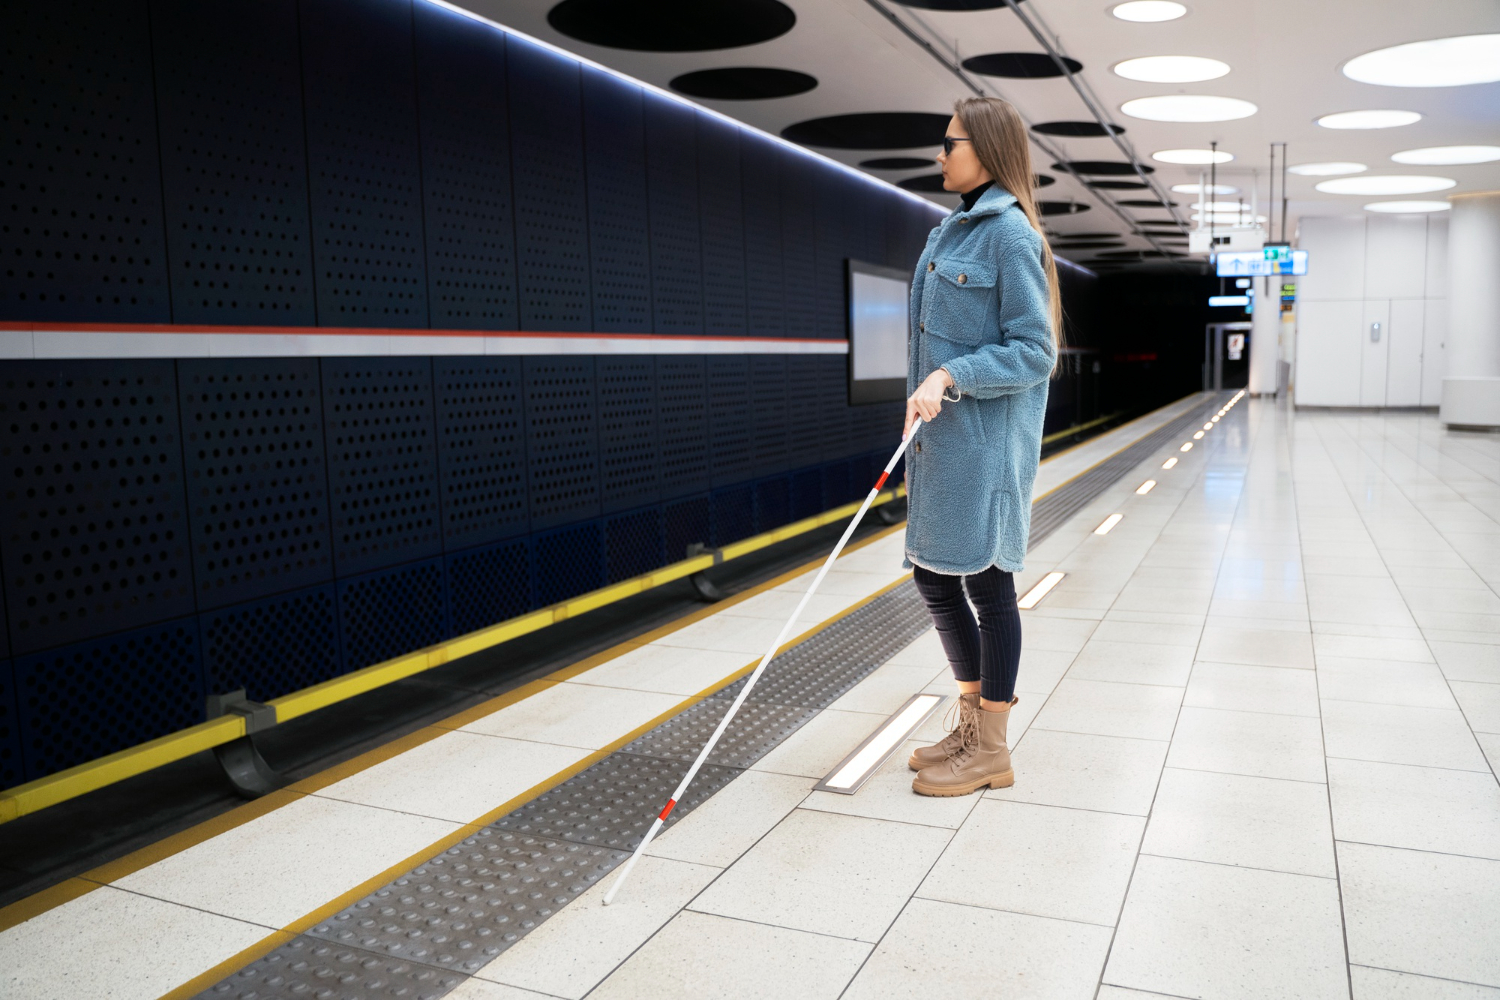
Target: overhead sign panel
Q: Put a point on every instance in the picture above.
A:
(1270, 260)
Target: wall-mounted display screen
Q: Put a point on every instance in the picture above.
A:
(1271, 260)
(879, 317)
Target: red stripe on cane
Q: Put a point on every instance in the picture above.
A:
(881, 481)
(667, 809)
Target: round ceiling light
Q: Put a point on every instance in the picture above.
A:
(1369, 119)
(1439, 62)
(1205, 189)
(1387, 184)
(1432, 156)
(1191, 156)
(1188, 108)
(1408, 206)
(1171, 69)
(1147, 11)
(1328, 169)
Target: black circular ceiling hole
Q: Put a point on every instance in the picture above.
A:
(955, 4)
(1118, 185)
(1101, 167)
(1086, 245)
(1061, 207)
(1019, 65)
(1042, 180)
(1077, 130)
(743, 83)
(1088, 236)
(1138, 254)
(926, 183)
(895, 163)
(872, 130)
(672, 25)
(1142, 203)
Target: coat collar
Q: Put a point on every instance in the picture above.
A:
(992, 202)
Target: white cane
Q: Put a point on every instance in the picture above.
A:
(708, 747)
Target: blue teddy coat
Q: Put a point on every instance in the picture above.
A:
(979, 308)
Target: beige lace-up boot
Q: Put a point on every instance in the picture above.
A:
(966, 706)
(985, 761)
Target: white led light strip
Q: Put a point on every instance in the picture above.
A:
(852, 772)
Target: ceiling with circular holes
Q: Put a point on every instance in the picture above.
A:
(868, 83)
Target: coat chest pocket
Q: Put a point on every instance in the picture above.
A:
(960, 304)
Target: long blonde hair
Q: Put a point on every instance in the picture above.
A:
(999, 139)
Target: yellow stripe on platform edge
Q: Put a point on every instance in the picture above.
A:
(37, 795)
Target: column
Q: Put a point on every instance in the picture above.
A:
(1471, 390)
(1265, 336)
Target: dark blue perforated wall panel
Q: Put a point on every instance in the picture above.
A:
(257, 483)
(12, 769)
(770, 413)
(682, 409)
(552, 242)
(806, 398)
(489, 584)
(685, 523)
(569, 562)
(619, 226)
(799, 257)
(733, 514)
(628, 434)
(234, 163)
(93, 698)
(274, 646)
(633, 544)
(806, 492)
(470, 228)
(382, 461)
(481, 441)
(834, 414)
(384, 615)
(95, 533)
(832, 225)
(721, 216)
(761, 173)
(562, 439)
(80, 223)
(773, 499)
(676, 245)
(364, 162)
(837, 485)
(731, 422)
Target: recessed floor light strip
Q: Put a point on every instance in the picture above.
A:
(1108, 524)
(1186, 446)
(1169, 462)
(1044, 587)
(1145, 487)
(854, 770)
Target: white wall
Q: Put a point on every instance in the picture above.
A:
(1386, 269)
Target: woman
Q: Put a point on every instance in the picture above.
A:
(986, 319)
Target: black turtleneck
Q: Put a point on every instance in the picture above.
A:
(972, 195)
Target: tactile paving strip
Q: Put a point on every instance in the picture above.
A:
(755, 731)
(420, 936)
(1056, 508)
(468, 904)
(306, 968)
(612, 803)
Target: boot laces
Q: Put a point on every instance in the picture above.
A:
(966, 729)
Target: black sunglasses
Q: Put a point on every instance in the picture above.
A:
(948, 142)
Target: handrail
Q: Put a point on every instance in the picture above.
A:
(89, 776)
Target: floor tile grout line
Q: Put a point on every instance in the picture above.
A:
(1423, 975)
(1413, 850)
(1230, 864)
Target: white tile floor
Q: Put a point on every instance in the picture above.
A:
(1251, 762)
(1255, 757)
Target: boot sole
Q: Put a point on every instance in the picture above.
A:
(1002, 780)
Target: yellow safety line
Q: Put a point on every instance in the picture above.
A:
(46, 899)
(1076, 428)
(35, 795)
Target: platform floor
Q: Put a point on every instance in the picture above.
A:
(1255, 755)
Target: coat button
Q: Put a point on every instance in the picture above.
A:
(963, 279)
(922, 327)
(931, 266)
(919, 446)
